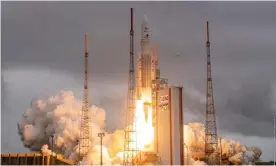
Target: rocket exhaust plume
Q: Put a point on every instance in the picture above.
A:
(60, 115)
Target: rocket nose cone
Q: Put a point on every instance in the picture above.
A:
(145, 21)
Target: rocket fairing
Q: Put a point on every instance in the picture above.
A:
(145, 29)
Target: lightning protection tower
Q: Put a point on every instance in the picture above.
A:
(131, 154)
(211, 144)
(85, 126)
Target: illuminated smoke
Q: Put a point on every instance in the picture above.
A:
(59, 116)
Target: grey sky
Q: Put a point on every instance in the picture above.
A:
(43, 46)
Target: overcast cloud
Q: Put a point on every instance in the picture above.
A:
(43, 47)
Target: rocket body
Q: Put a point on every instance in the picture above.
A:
(147, 62)
(146, 69)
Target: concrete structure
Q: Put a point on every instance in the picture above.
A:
(34, 159)
(170, 126)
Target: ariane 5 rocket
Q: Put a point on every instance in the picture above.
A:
(147, 63)
(147, 74)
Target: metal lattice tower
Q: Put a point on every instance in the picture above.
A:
(130, 143)
(211, 143)
(85, 126)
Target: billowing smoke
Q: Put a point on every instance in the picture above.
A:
(53, 123)
(194, 135)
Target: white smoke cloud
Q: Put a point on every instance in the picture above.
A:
(194, 135)
(59, 116)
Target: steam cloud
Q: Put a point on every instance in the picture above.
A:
(194, 135)
(59, 116)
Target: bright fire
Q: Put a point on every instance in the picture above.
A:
(143, 119)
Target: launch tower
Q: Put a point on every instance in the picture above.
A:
(131, 153)
(85, 130)
(211, 144)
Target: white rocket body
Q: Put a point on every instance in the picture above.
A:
(146, 72)
(146, 63)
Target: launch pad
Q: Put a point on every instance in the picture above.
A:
(158, 116)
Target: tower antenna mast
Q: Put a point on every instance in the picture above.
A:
(211, 142)
(130, 143)
(85, 130)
